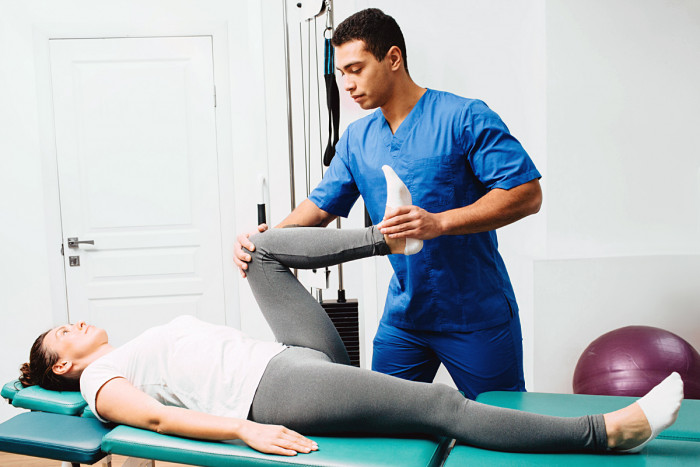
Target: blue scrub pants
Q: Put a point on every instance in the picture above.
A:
(478, 361)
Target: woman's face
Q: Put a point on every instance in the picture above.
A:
(74, 342)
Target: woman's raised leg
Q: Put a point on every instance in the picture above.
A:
(295, 317)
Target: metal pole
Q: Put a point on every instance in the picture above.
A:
(290, 135)
(341, 289)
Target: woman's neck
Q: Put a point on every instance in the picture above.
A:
(101, 351)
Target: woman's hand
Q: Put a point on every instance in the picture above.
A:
(240, 257)
(119, 401)
(275, 439)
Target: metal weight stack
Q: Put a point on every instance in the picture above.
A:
(344, 316)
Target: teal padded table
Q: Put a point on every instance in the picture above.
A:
(333, 451)
(9, 390)
(677, 446)
(658, 453)
(54, 436)
(68, 437)
(61, 402)
(686, 428)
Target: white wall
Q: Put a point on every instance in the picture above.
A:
(25, 305)
(578, 300)
(623, 212)
(622, 121)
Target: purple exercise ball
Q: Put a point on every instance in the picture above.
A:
(630, 361)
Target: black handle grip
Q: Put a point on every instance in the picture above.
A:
(262, 218)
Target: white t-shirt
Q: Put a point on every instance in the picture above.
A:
(187, 363)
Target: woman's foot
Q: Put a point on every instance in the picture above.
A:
(397, 195)
(632, 428)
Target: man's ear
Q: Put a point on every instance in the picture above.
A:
(62, 367)
(395, 57)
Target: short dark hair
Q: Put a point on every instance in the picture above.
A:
(378, 30)
(39, 369)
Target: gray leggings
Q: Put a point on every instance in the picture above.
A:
(310, 388)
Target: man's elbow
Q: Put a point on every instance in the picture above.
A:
(533, 203)
(321, 218)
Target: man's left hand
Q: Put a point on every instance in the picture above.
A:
(410, 222)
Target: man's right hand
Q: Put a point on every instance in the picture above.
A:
(240, 257)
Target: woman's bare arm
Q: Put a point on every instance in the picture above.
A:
(119, 401)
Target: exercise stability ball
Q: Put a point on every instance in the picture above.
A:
(630, 361)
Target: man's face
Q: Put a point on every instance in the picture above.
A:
(368, 80)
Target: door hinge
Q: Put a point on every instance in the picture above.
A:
(62, 254)
(214, 96)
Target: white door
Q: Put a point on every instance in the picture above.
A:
(137, 170)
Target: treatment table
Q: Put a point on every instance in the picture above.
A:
(61, 427)
(679, 445)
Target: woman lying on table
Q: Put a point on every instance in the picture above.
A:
(205, 381)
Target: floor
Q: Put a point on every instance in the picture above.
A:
(15, 460)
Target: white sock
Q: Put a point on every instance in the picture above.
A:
(397, 195)
(661, 405)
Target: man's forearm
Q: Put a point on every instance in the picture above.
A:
(307, 214)
(495, 209)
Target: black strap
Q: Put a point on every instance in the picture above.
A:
(333, 101)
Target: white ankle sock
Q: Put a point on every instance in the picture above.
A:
(661, 405)
(397, 194)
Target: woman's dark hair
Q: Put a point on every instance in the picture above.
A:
(378, 30)
(39, 370)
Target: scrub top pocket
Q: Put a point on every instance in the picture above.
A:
(431, 181)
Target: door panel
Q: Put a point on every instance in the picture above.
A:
(138, 175)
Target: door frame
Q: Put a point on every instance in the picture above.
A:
(218, 31)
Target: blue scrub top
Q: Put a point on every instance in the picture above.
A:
(449, 151)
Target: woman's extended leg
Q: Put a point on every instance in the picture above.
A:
(307, 393)
(295, 317)
(304, 391)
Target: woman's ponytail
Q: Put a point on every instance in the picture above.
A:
(39, 369)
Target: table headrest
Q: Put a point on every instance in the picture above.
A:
(38, 398)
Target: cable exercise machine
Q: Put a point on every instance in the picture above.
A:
(319, 132)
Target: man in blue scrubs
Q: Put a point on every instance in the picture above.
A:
(453, 301)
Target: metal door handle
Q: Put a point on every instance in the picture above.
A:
(73, 242)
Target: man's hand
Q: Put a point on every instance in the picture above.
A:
(410, 222)
(497, 208)
(275, 439)
(240, 257)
